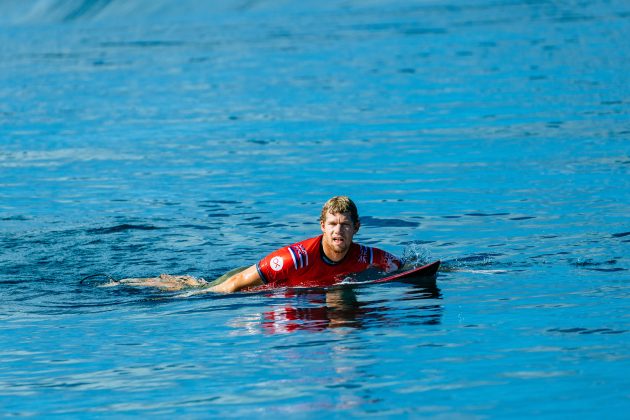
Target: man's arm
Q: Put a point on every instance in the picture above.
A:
(385, 261)
(247, 278)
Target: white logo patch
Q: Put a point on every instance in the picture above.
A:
(276, 263)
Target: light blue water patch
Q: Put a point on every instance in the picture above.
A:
(139, 138)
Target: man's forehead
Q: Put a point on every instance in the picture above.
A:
(345, 215)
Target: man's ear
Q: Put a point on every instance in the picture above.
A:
(357, 225)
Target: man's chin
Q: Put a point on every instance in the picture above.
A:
(340, 248)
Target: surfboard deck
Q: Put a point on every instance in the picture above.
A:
(425, 276)
(428, 270)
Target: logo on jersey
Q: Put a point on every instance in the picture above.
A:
(276, 263)
(299, 255)
(365, 254)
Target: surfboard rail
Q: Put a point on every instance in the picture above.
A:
(427, 270)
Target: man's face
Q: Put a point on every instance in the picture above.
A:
(338, 232)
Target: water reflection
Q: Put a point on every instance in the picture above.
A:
(337, 308)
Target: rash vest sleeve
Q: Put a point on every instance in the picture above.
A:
(276, 267)
(385, 261)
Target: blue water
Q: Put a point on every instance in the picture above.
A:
(146, 137)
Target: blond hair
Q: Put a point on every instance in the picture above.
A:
(340, 204)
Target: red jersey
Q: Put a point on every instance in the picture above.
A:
(304, 264)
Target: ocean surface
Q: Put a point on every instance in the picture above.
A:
(143, 137)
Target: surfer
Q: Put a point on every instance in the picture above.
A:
(316, 262)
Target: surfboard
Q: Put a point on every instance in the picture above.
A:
(424, 275)
(428, 270)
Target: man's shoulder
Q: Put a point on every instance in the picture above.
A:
(302, 253)
(373, 254)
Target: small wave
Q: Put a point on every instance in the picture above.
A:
(120, 228)
(487, 214)
(608, 270)
(602, 266)
(375, 221)
(17, 218)
(469, 262)
(489, 272)
(580, 262)
(580, 330)
(29, 11)
(97, 279)
(482, 263)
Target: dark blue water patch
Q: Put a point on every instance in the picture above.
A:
(487, 214)
(17, 218)
(416, 242)
(257, 225)
(397, 27)
(620, 235)
(220, 205)
(96, 279)
(11, 281)
(261, 141)
(380, 222)
(580, 330)
(591, 263)
(573, 17)
(496, 245)
(423, 31)
(607, 270)
(550, 254)
(523, 218)
(313, 343)
(445, 244)
(483, 257)
(199, 59)
(344, 386)
(143, 44)
(196, 227)
(86, 8)
(120, 228)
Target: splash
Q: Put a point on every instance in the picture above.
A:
(416, 255)
(478, 263)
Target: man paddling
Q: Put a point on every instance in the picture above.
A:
(316, 262)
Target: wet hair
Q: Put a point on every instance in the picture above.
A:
(340, 204)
